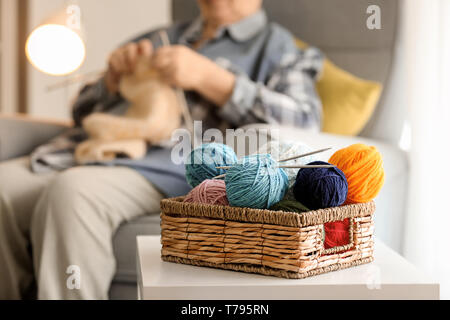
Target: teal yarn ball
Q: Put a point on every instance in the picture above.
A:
(202, 162)
(256, 182)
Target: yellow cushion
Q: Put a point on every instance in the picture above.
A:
(348, 101)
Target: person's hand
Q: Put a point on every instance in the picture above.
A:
(181, 66)
(123, 61)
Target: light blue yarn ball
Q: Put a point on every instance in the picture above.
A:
(202, 162)
(285, 149)
(256, 182)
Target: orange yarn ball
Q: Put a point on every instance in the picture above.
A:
(363, 168)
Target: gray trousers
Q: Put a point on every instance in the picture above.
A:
(56, 229)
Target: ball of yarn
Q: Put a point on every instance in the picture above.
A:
(256, 182)
(289, 206)
(363, 167)
(280, 150)
(202, 162)
(319, 188)
(336, 233)
(208, 192)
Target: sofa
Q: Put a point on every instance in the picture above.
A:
(338, 28)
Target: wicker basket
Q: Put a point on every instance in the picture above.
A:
(277, 243)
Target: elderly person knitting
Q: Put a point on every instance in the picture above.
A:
(235, 67)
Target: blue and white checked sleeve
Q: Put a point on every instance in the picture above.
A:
(93, 98)
(288, 98)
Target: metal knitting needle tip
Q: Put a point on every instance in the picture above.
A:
(180, 93)
(308, 166)
(295, 166)
(304, 155)
(164, 38)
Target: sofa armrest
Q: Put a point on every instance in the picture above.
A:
(20, 134)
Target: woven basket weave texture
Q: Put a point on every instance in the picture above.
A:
(277, 243)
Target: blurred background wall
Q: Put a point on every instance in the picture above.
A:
(9, 48)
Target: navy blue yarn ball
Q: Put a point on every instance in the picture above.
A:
(319, 188)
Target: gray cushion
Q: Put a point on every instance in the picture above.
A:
(124, 243)
(18, 136)
(123, 291)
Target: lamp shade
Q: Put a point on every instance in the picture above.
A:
(56, 47)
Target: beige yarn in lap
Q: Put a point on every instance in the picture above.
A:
(154, 113)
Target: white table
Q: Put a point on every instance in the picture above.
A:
(390, 276)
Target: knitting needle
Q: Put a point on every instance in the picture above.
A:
(75, 79)
(296, 157)
(308, 166)
(304, 155)
(180, 93)
(287, 167)
(294, 166)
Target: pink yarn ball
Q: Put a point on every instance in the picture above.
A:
(209, 192)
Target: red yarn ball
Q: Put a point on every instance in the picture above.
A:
(336, 233)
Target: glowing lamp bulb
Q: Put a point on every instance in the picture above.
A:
(55, 49)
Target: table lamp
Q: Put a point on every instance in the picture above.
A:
(56, 46)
